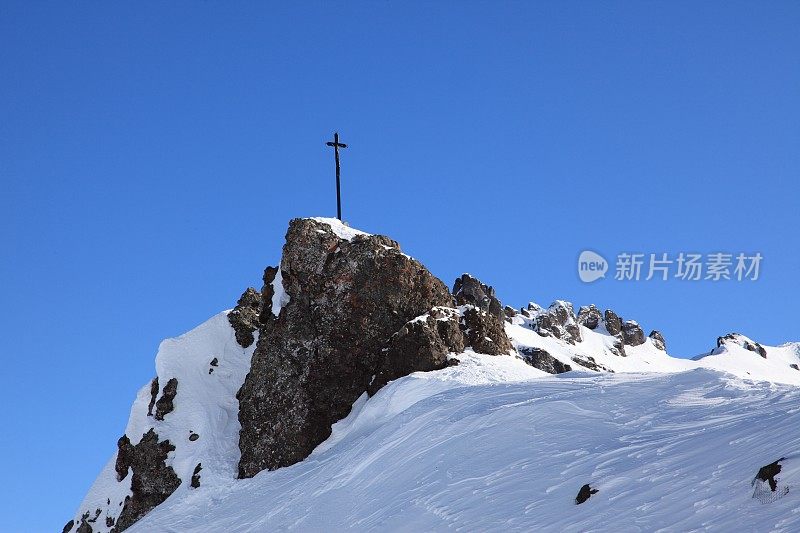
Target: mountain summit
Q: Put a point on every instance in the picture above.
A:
(359, 392)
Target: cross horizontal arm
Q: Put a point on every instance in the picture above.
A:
(340, 145)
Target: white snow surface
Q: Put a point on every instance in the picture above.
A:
(491, 444)
(279, 295)
(342, 230)
(205, 404)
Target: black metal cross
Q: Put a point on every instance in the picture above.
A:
(336, 145)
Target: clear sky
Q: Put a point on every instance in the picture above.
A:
(152, 154)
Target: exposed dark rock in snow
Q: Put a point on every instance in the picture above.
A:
(589, 316)
(658, 340)
(541, 359)
(193, 436)
(84, 526)
(509, 311)
(485, 332)
(245, 317)
(618, 348)
(347, 297)
(590, 363)
(165, 404)
(768, 472)
(558, 321)
(632, 333)
(470, 291)
(794, 366)
(267, 292)
(584, 494)
(68, 526)
(196, 476)
(612, 322)
(153, 395)
(744, 342)
(421, 344)
(152, 481)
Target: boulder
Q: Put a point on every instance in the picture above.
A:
(541, 359)
(348, 294)
(584, 494)
(632, 333)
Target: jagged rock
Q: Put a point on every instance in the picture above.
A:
(485, 332)
(533, 307)
(165, 404)
(509, 311)
(421, 344)
(153, 395)
(109, 521)
(768, 472)
(744, 342)
(612, 322)
(584, 494)
(559, 321)
(470, 291)
(68, 526)
(632, 333)
(244, 318)
(347, 297)
(84, 526)
(525, 313)
(658, 340)
(541, 359)
(196, 476)
(589, 316)
(125, 455)
(267, 292)
(152, 481)
(590, 363)
(618, 347)
(193, 436)
(793, 365)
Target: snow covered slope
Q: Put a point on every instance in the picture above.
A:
(596, 345)
(493, 445)
(209, 366)
(485, 442)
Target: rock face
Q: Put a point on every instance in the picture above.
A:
(469, 291)
(632, 333)
(658, 340)
(612, 322)
(245, 317)
(589, 316)
(421, 344)
(558, 321)
(152, 480)
(541, 359)
(347, 297)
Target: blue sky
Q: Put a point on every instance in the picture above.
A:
(152, 155)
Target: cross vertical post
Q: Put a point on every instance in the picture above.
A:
(336, 145)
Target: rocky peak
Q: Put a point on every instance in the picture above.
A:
(347, 295)
(740, 340)
(468, 290)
